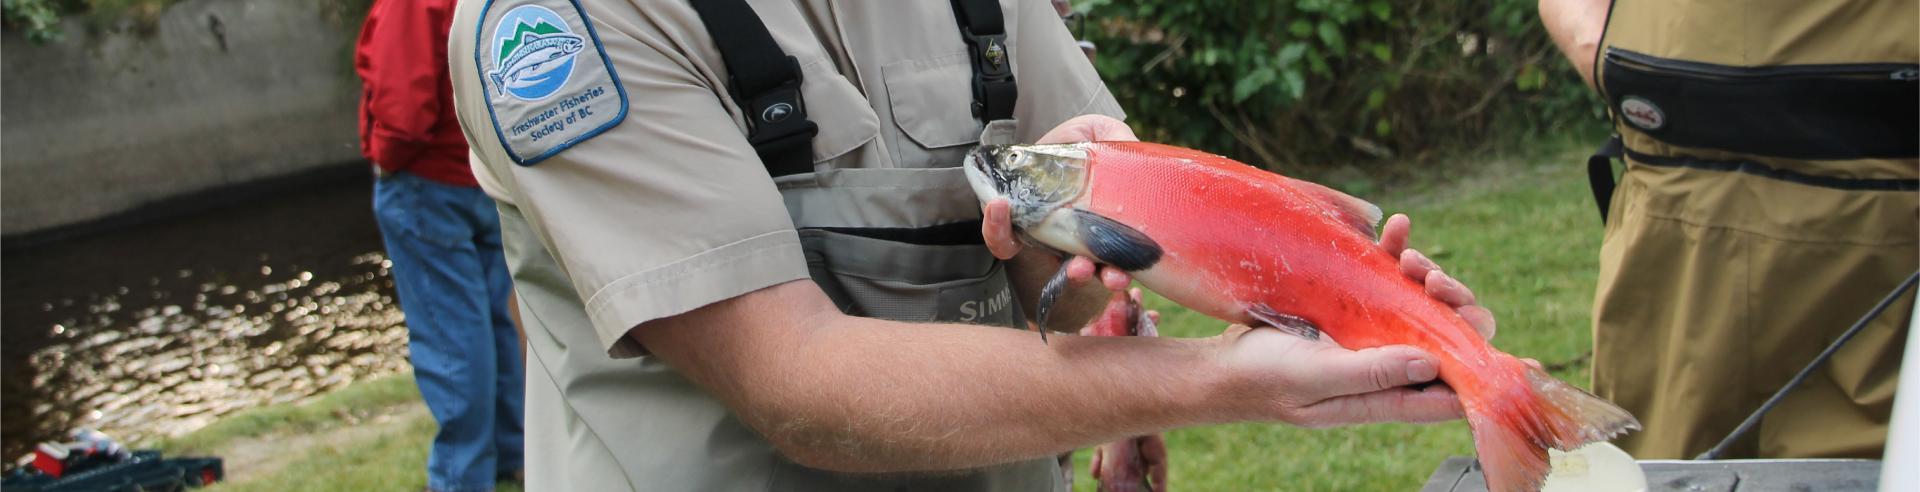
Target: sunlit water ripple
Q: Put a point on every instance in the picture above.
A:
(159, 329)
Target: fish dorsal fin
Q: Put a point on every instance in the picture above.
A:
(1362, 216)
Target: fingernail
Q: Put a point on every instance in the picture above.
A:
(1420, 371)
(1421, 260)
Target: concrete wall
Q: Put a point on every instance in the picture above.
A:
(216, 93)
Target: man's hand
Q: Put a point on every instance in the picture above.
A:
(1317, 383)
(1414, 265)
(1152, 453)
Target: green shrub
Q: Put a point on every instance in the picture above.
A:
(1328, 81)
(37, 20)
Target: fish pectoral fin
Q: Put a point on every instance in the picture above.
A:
(1285, 322)
(1145, 327)
(1049, 294)
(1359, 214)
(1114, 243)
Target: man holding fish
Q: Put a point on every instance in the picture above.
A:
(702, 315)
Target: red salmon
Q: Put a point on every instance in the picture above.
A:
(1249, 246)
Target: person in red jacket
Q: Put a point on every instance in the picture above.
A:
(443, 236)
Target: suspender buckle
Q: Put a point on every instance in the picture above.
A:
(779, 113)
(993, 87)
(777, 124)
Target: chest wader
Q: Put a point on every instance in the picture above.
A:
(901, 244)
(1769, 199)
(898, 244)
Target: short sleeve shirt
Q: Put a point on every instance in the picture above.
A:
(628, 192)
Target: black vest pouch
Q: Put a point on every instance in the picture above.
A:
(1809, 112)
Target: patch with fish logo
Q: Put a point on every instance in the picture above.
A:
(548, 83)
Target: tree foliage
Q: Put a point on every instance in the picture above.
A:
(37, 20)
(1317, 81)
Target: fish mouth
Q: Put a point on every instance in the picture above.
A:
(984, 173)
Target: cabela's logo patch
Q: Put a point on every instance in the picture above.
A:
(533, 53)
(1642, 114)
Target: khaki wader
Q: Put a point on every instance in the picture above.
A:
(1737, 247)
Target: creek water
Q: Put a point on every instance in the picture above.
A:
(160, 328)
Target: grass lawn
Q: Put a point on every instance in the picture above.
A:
(371, 436)
(1520, 228)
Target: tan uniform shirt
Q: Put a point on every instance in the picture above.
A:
(628, 193)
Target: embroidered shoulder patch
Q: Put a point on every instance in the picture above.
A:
(548, 83)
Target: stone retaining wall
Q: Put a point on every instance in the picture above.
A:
(213, 94)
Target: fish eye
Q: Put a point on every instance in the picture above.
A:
(1013, 158)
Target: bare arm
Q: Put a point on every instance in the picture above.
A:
(1576, 27)
(863, 395)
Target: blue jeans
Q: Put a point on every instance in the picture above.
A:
(444, 242)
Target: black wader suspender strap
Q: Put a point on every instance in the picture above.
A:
(985, 32)
(765, 83)
(1600, 174)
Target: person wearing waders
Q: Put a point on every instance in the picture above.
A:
(749, 259)
(443, 236)
(1769, 199)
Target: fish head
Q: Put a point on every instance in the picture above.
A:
(1035, 179)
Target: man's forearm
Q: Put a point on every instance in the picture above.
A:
(979, 396)
(865, 395)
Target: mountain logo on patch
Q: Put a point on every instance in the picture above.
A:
(533, 54)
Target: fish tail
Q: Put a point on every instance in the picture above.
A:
(1514, 424)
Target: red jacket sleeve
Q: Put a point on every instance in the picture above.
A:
(402, 63)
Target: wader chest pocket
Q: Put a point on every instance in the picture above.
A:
(1815, 112)
(904, 279)
(931, 107)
